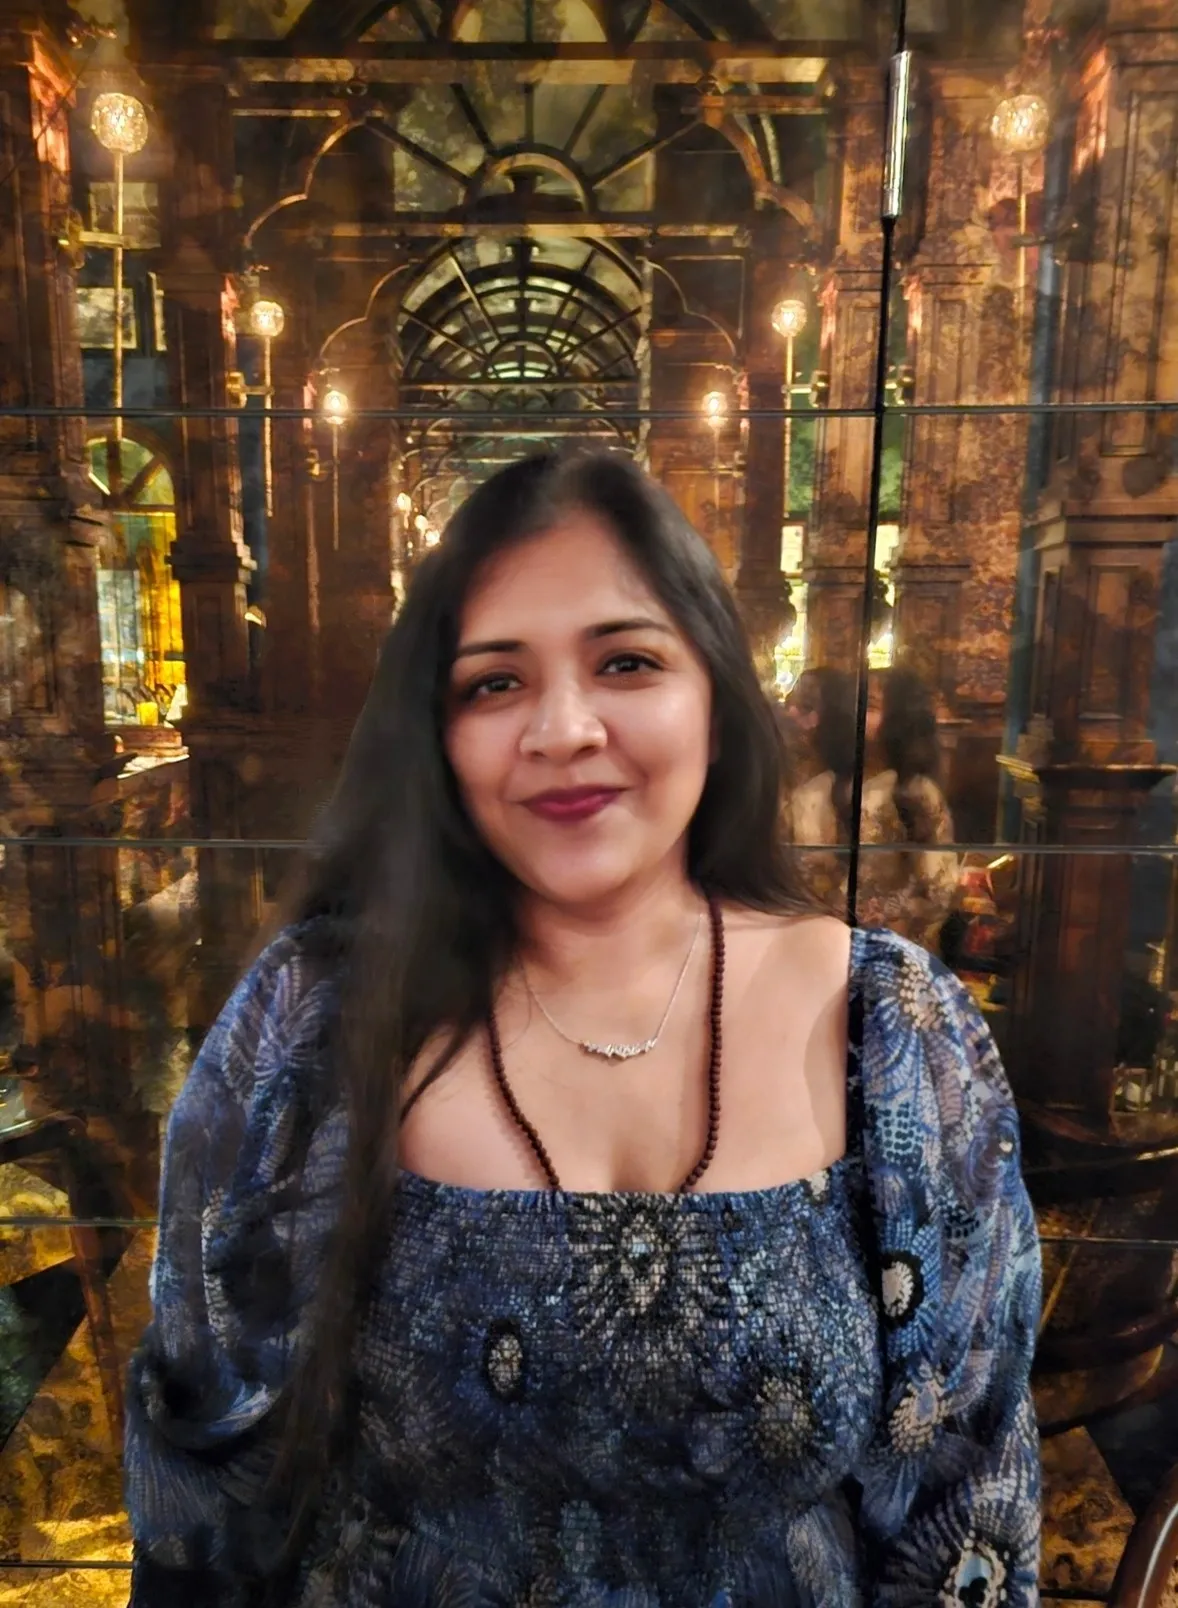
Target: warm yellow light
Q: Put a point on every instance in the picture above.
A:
(119, 123)
(404, 503)
(431, 536)
(267, 320)
(789, 319)
(421, 522)
(1021, 124)
(715, 408)
(336, 406)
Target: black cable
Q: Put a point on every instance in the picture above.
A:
(879, 413)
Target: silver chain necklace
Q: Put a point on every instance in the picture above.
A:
(619, 1052)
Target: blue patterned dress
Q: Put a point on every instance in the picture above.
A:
(811, 1394)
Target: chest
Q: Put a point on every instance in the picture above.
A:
(781, 1098)
(622, 1347)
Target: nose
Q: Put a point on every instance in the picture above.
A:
(563, 724)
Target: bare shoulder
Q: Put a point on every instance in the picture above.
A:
(813, 950)
(808, 932)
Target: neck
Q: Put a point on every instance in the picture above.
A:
(610, 945)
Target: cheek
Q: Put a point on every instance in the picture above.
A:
(670, 740)
(479, 756)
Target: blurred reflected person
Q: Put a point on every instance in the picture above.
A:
(561, 1211)
(802, 711)
(906, 882)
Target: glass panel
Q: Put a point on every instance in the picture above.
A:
(105, 1587)
(73, 1304)
(655, 227)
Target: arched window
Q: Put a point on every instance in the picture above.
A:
(143, 679)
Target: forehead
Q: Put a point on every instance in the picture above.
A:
(575, 574)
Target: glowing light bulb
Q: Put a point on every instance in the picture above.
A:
(431, 536)
(267, 320)
(421, 523)
(336, 407)
(119, 123)
(789, 318)
(1021, 124)
(715, 408)
(404, 504)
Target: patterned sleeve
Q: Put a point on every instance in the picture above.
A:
(950, 1488)
(229, 1280)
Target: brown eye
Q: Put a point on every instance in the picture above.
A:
(489, 686)
(628, 664)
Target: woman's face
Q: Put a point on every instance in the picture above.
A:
(875, 703)
(802, 706)
(580, 717)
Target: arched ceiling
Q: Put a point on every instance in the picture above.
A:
(489, 313)
(323, 24)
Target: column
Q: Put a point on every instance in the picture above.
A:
(61, 908)
(355, 517)
(967, 344)
(836, 545)
(199, 225)
(1086, 762)
(762, 592)
(291, 667)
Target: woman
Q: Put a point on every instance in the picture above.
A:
(910, 890)
(906, 882)
(818, 807)
(806, 718)
(545, 1220)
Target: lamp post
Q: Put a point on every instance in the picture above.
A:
(119, 124)
(266, 322)
(789, 320)
(335, 408)
(404, 506)
(1020, 127)
(715, 412)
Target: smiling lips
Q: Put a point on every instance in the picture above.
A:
(571, 804)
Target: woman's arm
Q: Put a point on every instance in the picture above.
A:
(243, 1161)
(951, 1504)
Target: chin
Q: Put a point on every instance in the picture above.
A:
(576, 886)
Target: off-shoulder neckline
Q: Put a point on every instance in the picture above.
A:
(416, 1185)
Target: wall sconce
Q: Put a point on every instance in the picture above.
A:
(336, 409)
(1021, 125)
(715, 410)
(789, 320)
(119, 124)
(266, 321)
(902, 385)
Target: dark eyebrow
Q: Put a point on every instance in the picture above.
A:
(640, 622)
(470, 650)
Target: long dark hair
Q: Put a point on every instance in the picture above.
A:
(834, 739)
(909, 743)
(425, 916)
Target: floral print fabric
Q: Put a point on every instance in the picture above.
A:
(814, 1394)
